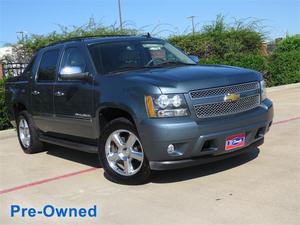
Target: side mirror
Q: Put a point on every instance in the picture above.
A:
(194, 58)
(73, 73)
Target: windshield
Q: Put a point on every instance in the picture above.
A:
(130, 55)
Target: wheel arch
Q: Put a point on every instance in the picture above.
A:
(107, 113)
(18, 107)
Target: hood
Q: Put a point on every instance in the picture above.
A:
(186, 78)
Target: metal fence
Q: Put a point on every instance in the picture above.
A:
(13, 69)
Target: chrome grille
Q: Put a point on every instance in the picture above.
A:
(224, 90)
(227, 108)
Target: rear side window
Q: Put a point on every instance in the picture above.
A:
(47, 69)
(73, 57)
(29, 67)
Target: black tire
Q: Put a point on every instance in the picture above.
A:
(35, 144)
(143, 173)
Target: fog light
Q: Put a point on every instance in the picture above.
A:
(171, 149)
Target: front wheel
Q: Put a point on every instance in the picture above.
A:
(121, 153)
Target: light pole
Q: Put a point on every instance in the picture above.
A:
(120, 15)
(193, 25)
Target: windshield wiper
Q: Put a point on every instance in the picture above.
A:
(167, 63)
(170, 63)
(128, 68)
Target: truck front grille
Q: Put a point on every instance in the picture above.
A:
(210, 102)
(227, 108)
(224, 90)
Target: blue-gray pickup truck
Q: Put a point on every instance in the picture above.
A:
(138, 102)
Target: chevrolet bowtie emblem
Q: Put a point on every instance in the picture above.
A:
(232, 97)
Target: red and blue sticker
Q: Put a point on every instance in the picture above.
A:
(235, 141)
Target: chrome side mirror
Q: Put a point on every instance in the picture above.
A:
(194, 58)
(73, 73)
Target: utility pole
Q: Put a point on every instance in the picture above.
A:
(120, 15)
(193, 24)
(22, 34)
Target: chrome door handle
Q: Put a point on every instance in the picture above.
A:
(35, 92)
(59, 93)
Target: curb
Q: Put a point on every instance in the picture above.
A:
(283, 87)
(4, 134)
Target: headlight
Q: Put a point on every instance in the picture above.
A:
(263, 90)
(166, 105)
(162, 101)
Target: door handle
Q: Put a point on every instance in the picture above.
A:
(35, 92)
(59, 93)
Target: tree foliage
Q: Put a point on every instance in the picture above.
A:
(284, 63)
(218, 40)
(4, 121)
(220, 43)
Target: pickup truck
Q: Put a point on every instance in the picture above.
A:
(138, 102)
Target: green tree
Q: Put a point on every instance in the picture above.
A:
(238, 44)
(4, 121)
(284, 63)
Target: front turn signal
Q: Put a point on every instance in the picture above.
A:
(150, 107)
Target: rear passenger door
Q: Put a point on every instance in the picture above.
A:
(73, 99)
(42, 89)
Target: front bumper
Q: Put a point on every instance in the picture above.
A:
(201, 141)
(176, 164)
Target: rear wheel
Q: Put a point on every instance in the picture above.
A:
(27, 134)
(121, 153)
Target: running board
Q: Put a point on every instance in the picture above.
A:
(69, 144)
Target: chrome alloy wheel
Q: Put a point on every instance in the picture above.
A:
(124, 152)
(24, 133)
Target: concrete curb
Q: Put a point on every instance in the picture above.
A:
(12, 132)
(283, 87)
(4, 134)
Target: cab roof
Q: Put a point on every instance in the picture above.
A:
(103, 39)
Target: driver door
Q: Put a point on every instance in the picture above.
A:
(73, 99)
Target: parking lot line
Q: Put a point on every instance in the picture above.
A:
(92, 169)
(46, 180)
(287, 120)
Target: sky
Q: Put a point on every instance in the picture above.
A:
(279, 17)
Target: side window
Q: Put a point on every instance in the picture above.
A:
(73, 57)
(47, 69)
(29, 67)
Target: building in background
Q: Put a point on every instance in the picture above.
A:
(8, 68)
(5, 51)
